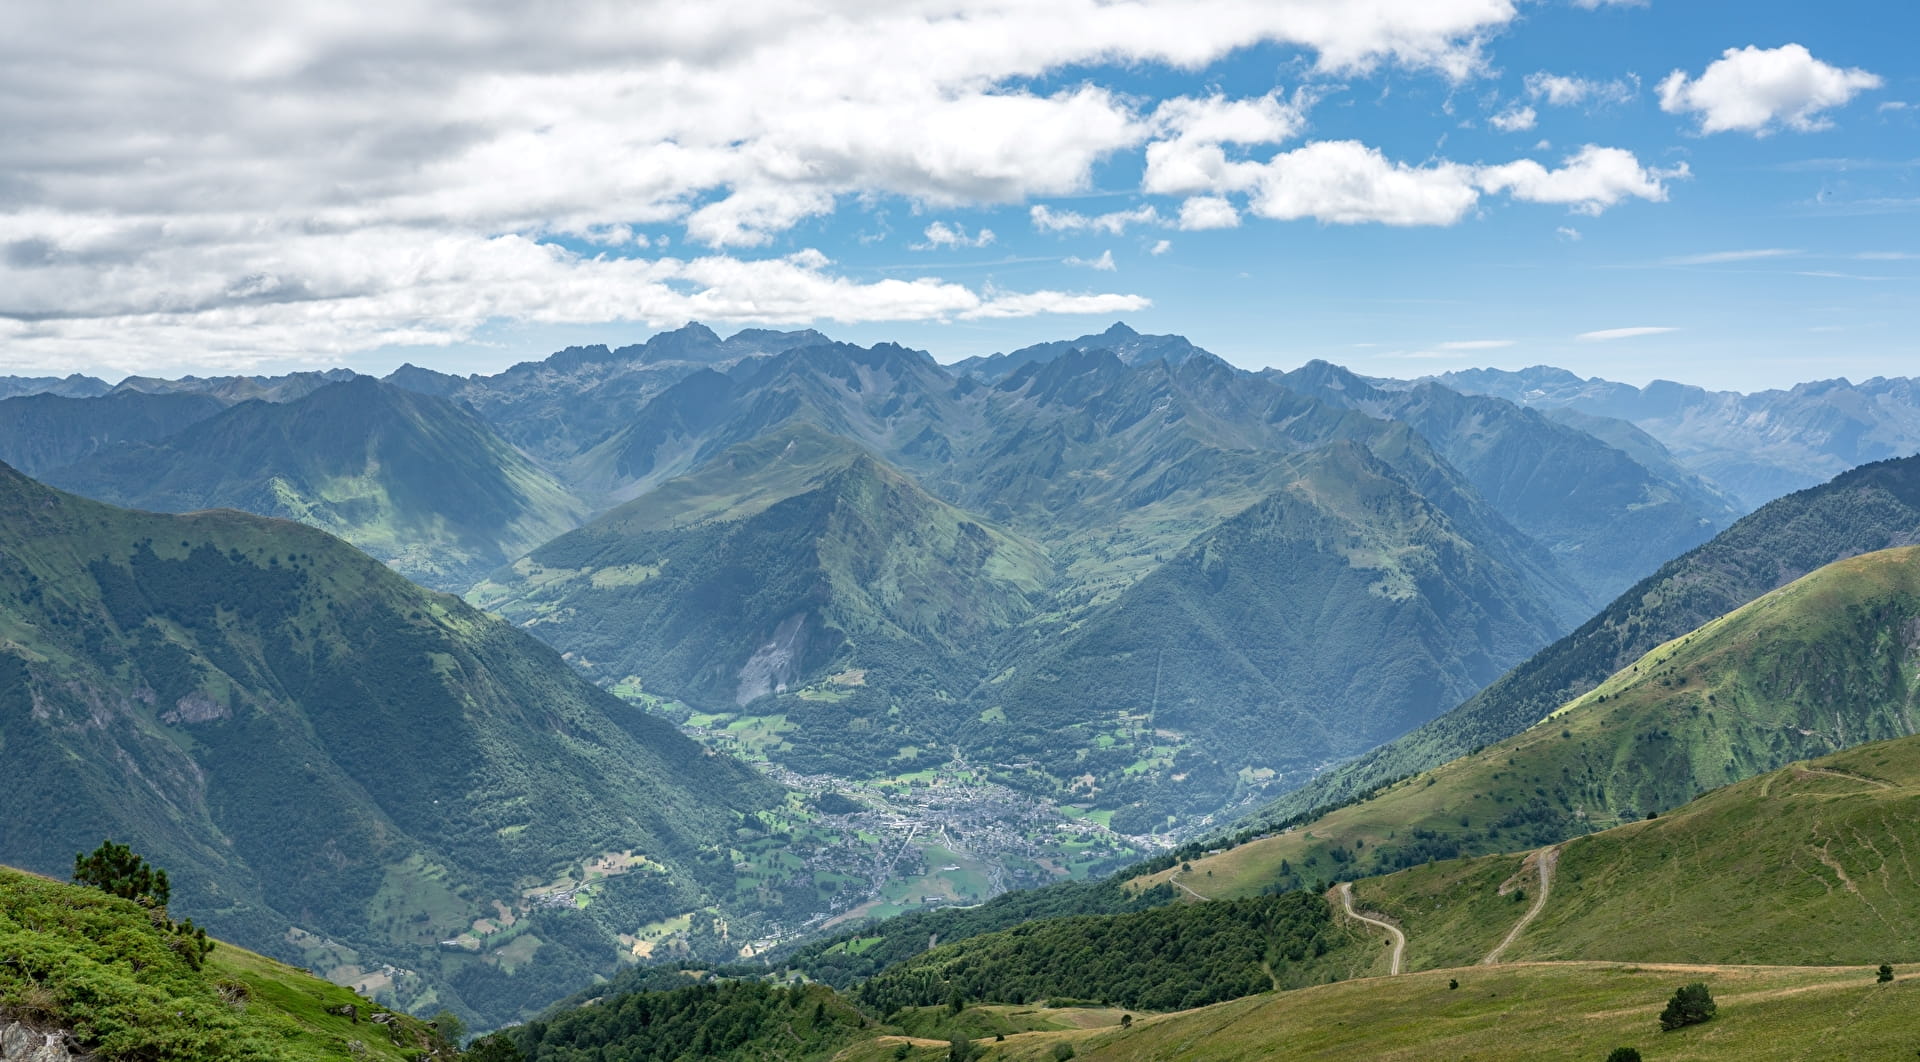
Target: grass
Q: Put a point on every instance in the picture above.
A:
(1573, 1011)
(80, 959)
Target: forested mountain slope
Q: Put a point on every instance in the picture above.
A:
(338, 766)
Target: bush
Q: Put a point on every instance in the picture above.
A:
(1062, 1052)
(1690, 1005)
(1886, 973)
(1623, 1054)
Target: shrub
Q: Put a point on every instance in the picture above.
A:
(1886, 973)
(1690, 1005)
(1623, 1054)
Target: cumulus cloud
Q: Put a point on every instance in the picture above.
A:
(1592, 180)
(1514, 119)
(941, 235)
(1560, 90)
(1160, 247)
(1208, 212)
(1757, 90)
(205, 138)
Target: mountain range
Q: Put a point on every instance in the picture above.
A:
(1755, 446)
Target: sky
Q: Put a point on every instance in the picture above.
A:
(1723, 192)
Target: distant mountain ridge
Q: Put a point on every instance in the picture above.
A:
(412, 479)
(1758, 446)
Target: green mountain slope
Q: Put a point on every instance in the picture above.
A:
(1870, 508)
(411, 479)
(1830, 661)
(44, 431)
(98, 967)
(1801, 866)
(1385, 612)
(795, 563)
(338, 766)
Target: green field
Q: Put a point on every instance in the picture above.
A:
(1573, 1011)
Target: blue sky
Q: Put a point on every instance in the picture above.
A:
(1721, 193)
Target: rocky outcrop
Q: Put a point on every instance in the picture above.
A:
(21, 1042)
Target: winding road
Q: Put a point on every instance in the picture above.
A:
(1543, 861)
(1399, 938)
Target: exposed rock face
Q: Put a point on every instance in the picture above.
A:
(20, 1042)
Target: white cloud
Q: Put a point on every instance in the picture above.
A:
(1592, 180)
(942, 235)
(1560, 90)
(1514, 119)
(1477, 344)
(1208, 212)
(1606, 334)
(1568, 233)
(1345, 182)
(1756, 90)
(1592, 5)
(1160, 247)
(179, 146)
(1047, 219)
(1104, 263)
(1721, 257)
(1188, 153)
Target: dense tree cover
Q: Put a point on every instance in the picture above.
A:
(856, 955)
(1872, 507)
(1170, 957)
(711, 1020)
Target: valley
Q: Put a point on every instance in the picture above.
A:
(873, 671)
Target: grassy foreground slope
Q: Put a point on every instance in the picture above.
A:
(1827, 662)
(98, 966)
(1870, 508)
(1573, 1011)
(1806, 865)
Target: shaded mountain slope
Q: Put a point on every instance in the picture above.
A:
(1827, 662)
(42, 432)
(1385, 613)
(337, 766)
(1607, 517)
(411, 479)
(1870, 508)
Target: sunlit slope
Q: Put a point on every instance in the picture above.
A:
(1808, 865)
(1576, 1012)
(100, 967)
(1822, 664)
